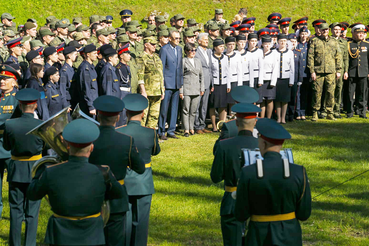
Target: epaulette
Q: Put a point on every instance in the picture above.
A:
(149, 127)
(110, 68)
(13, 94)
(365, 41)
(120, 127)
(64, 70)
(225, 139)
(49, 86)
(57, 164)
(298, 50)
(86, 68)
(124, 134)
(119, 66)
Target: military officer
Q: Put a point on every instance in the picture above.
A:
(358, 70)
(273, 193)
(218, 17)
(227, 166)
(336, 29)
(25, 151)
(126, 16)
(135, 47)
(151, 81)
(325, 64)
(8, 104)
(86, 76)
(77, 216)
(119, 152)
(139, 187)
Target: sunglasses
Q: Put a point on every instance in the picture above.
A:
(152, 44)
(194, 50)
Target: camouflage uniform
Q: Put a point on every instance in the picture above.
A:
(4, 53)
(150, 73)
(325, 60)
(134, 78)
(136, 48)
(92, 40)
(339, 83)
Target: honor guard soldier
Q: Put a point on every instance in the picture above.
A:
(8, 104)
(273, 193)
(358, 70)
(86, 81)
(119, 152)
(76, 190)
(25, 151)
(139, 187)
(243, 94)
(15, 50)
(227, 166)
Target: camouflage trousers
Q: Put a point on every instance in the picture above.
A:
(152, 112)
(328, 81)
(338, 95)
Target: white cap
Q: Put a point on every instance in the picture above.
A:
(359, 27)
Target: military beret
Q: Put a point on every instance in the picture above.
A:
(324, 26)
(29, 25)
(274, 17)
(61, 24)
(126, 12)
(131, 28)
(108, 105)
(266, 39)
(179, 17)
(109, 18)
(71, 28)
(49, 51)
(50, 71)
(148, 33)
(219, 11)
(124, 49)
(213, 27)
(135, 102)
(7, 16)
(318, 22)
(160, 18)
(46, 31)
(123, 38)
(218, 42)
(246, 110)
(271, 131)
(78, 36)
(32, 55)
(163, 33)
(162, 27)
(285, 21)
(240, 37)
(50, 19)
(102, 31)
(151, 40)
(82, 28)
(7, 71)
(75, 44)
(28, 96)
(121, 31)
(230, 39)
(77, 20)
(245, 94)
(69, 49)
(94, 19)
(81, 133)
(333, 25)
(282, 36)
(9, 33)
(191, 21)
(226, 26)
(14, 42)
(36, 43)
(189, 33)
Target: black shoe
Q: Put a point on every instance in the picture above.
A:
(337, 116)
(363, 116)
(350, 115)
(163, 137)
(172, 136)
(186, 134)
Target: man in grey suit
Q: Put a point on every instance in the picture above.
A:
(204, 54)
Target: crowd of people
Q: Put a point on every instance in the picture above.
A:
(168, 77)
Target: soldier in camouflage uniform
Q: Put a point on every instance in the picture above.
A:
(151, 81)
(213, 34)
(324, 62)
(336, 33)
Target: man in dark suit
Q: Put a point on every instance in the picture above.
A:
(119, 152)
(227, 166)
(203, 53)
(171, 57)
(139, 187)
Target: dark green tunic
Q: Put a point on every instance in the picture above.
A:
(229, 130)
(227, 166)
(271, 195)
(75, 188)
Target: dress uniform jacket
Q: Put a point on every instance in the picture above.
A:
(229, 130)
(246, 67)
(303, 47)
(87, 86)
(273, 195)
(12, 59)
(234, 68)
(66, 78)
(358, 67)
(227, 166)
(286, 63)
(56, 101)
(109, 81)
(256, 59)
(219, 70)
(270, 68)
(42, 109)
(75, 189)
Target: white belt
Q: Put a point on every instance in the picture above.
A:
(125, 89)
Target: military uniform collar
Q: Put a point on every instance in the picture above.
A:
(28, 115)
(272, 154)
(82, 159)
(137, 122)
(245, 133)
(8, 94)
(106, 127)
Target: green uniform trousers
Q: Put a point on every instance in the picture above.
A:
(231, 230)
(328, 82)
(338, 95)
(114, 230)
(152, 112)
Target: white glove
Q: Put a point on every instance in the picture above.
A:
(299, 83)
(234, 195)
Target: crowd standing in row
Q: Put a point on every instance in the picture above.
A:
(183, 73)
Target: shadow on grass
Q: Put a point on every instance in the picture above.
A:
(186, 179)
(341, 207)
(199, 195)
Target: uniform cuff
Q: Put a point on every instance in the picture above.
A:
(140, 82)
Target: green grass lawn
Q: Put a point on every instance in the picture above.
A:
(185, 208)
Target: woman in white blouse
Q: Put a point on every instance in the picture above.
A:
(245, 60)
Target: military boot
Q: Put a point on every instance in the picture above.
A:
(330, 117)
(315, 116)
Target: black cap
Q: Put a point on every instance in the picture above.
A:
(89, 48)
(50, 71)
(81, 133)
(69, 49)
(241, 37)
(103, 48)
(31, 55)
(108, 105)
(75, 44)
(110, 52)
(252, 35)
(135, 102)
(230, 39)
(266, 39)
(49, 51)
(282, 36)
(218, 42)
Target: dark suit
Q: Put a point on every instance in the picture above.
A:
(140, 187)
(207, 78)
(119, 152)
(173, 80)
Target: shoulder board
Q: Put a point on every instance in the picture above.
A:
(365, 41)
(226, 139)
(298, 50)
(110, 68)
(13, 94)
(105, 166)
(229, 121)
(125, 134)
(57, 164)
(119, 66)
(149, 128)
(64, 69)
(86, 68)
(49, 86)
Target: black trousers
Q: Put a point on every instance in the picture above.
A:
(357, 86)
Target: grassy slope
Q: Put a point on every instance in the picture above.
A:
(331, 10)
(185, 208)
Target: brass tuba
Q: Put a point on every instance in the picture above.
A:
(221, 122)
(51, 132)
